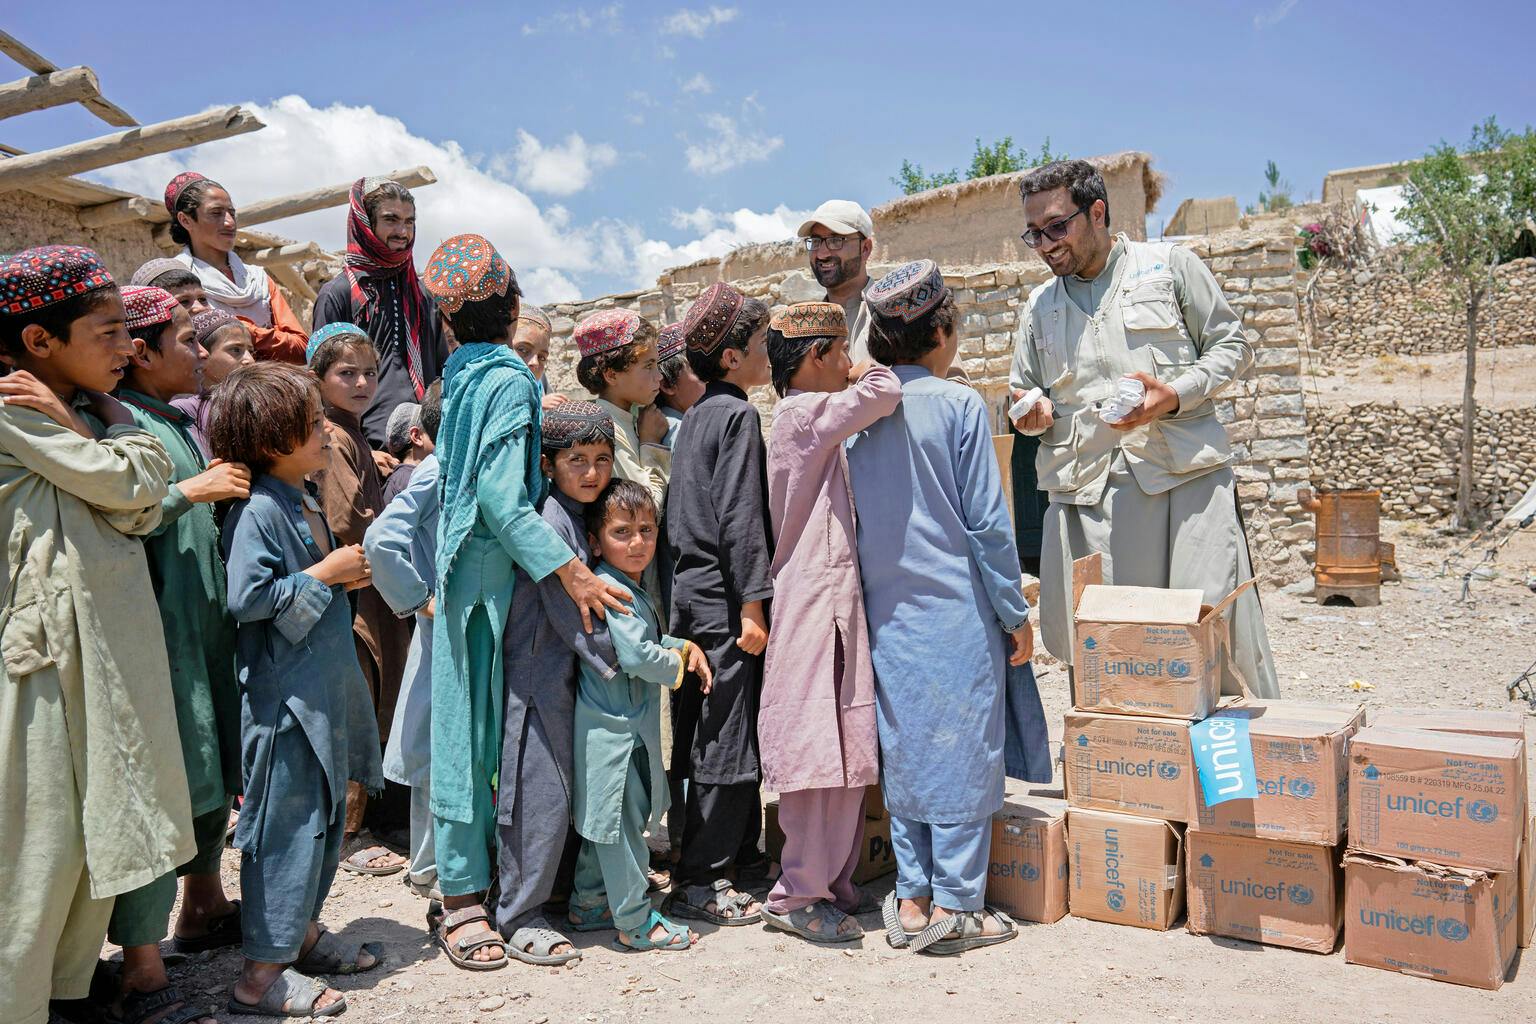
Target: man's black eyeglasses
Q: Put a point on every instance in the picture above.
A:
(1056, 230)
(834, 243)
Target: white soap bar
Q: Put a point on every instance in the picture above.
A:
(1021, 408)
(1129, 393)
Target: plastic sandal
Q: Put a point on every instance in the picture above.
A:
(329, 955)
(141, 1006)
(290, 987)
(960, 932)
(722, 894)
(798, 922)
(222, 931)
(640, 941)
(890, 914)
(589, 919)
(539, 935)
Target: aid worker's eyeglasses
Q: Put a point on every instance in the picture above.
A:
(1056, 230)
(833, 243)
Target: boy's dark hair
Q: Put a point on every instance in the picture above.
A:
(706, 366)
(187, 202)
(1079, 177)
(618, 496)
(594, 435)
(432, 409)
(176, 279)
(260, 412)
(893, 340)
(672, 369)
(489, 319)
(57, 318)
(382, 192)
(590, 369)
(786, 354)
(332, 349)
(150, 335)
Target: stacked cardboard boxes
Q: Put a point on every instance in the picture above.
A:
(1439, 818)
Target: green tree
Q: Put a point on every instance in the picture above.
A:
(1277, 198)
(1466, 209)
(1002, 157)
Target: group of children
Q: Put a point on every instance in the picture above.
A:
(619, 607)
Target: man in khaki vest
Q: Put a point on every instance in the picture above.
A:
(839, 238)
(1153, 491)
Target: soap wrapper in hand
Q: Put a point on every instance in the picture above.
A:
(1129, 393)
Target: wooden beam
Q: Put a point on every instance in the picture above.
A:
(20, 171)
(324, 198)
(285, 275)
(282, 255)
(72, 85)
(30, 59)
(119, 212)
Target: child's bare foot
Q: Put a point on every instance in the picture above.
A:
(991, 925)
(203, 905)
(916, 914)
(147, 995)
(364, 856)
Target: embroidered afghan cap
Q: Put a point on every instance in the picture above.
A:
(178, 185)
(571, 423)
(811, 320)
(535, 314)
(209, 322)
(153, 269)
(672, 343)
(907, 292)
(397, 429)
(35, 278)
(711, 318)
(148, 306)
(331, 330)
(607, 330)
(465, 268)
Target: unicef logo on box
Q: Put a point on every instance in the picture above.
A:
(1452, 930)
(1482, 811)
(1116, 900)
(1178, 669)
(1167, 770)
(1300, 895)
(1028, 872)
(1301, 789)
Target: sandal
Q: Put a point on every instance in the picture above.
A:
(895, 933)
(542, 939)
(960, 932)
(329, 955)
(460, 953)
(357, 852)
(589, 919)
(798, 922)
(222, 931)
(290, 987)
(657, 879)
(692, 903)
(867, 904)
(141, 1006)
(426, 890)
(640, 941)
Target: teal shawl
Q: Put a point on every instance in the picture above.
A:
(489, 395)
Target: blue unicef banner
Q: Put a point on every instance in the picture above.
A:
(1224, 759)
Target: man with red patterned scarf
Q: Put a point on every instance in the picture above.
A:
(379, 292)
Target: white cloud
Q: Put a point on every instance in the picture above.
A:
(1274, 16)
(699, 84)
(561, 169)
(578, 20)
(728, 146)
(688, 22)
(542, 284)
(719, 233)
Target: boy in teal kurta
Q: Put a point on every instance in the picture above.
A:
(190, 587)
(491, 483)
(621, 789)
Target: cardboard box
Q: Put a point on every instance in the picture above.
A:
(1280, 894)
(1301, 762)
(1446, 797)
(1527, 883)
(1477, 722)
(1027, 871)
(1144, 650)
(1448, 924)
(874, 803)
(1124, 869)
(1128, 763)
(876, 859)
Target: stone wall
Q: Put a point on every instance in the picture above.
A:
(1412, 456)
(1364, 312)
(1263, 413)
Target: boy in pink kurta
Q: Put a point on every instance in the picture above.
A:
(816, 727)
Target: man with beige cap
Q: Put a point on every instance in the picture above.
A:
(839, 238)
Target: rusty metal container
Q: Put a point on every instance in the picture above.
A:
(1348, 560)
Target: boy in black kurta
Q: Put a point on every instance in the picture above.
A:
(718, 538)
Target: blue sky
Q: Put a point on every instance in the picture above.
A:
(599, 143)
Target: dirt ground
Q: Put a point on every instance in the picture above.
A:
(1422, 646)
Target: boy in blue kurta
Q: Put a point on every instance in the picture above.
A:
(307, 725)
(621, 789)
(941, 590)
(490, 485)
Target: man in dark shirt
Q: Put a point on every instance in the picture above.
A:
(380, 293)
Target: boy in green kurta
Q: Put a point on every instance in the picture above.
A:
(190, 588)
(488, 452)
(93, 795)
